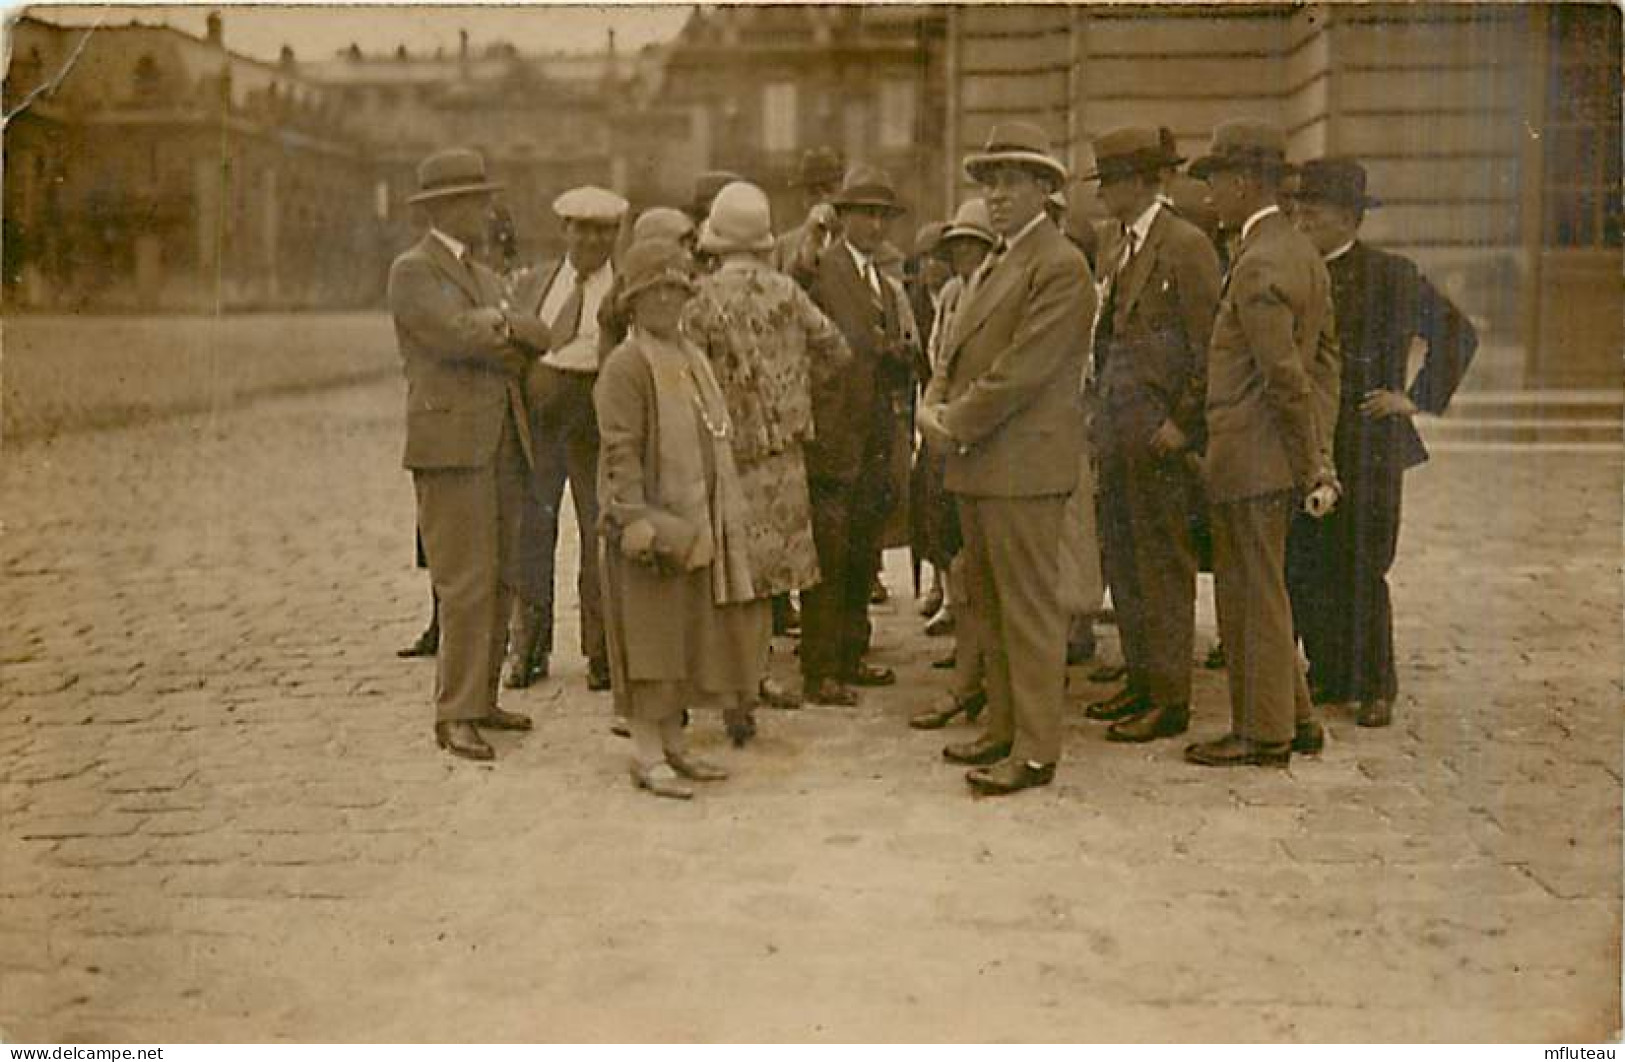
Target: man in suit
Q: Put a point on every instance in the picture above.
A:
(1337, 569)
(1271, 407)
(467, 440)
(1159, 295)
(1005, 408)
(849, 463)
(819, 178)
(566, 299)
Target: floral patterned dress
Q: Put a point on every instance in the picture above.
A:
(767, 344)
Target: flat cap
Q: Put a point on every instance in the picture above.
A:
(590, 203)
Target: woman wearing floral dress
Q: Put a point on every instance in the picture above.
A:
(767, 344)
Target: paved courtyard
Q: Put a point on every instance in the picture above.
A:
(222, 815)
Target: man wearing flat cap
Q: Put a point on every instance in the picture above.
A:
(850, 460)
(1337, 568)
(566, 298)
(1160, 292)
(1271, 408)
(1005, 407)
(467, 439)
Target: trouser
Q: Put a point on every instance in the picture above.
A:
(1151, 567)
(1012, 577)
(564, 432)
(847, 523)
(1337, 574)
(470, 519)
(970, 671)
(1268, 694)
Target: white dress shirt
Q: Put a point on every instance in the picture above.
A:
(581, 353)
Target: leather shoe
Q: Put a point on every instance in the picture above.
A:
(931, 602)
(878, 594)
(662, 780)
(740, 726)
(498, 719)
(941, 624)
(1375, 713)
(775, 694)
(945, 663)
(1308, 738)
(1151, 724)
(428, 644)
(1232, 750)
(1120, 705)
(833, 692)
(1215, 658)
(459, 738)
(1107, 673)
(598, 675)
(1010, 777)
(870, 675)
(953, 704)
(525, 671)
(982, 752)
(695, 769)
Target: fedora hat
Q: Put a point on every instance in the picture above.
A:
(821, 167)
(1338, 181)
(868, 187)
(1243, 144)
(650, 263)
(971, 221)
(457, 171)
(1021, 143)
(1170, 147)
(1126, 151)
(741, 220)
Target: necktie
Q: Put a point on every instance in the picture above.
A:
(568, 322)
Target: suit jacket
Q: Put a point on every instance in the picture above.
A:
(1012, 364)
(853, 411)
(1273, 369)
(1151, 337)
(462, 377)
(1383, 302)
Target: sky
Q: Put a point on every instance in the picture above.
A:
(318, 31)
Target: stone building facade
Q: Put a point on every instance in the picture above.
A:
(1491, 133)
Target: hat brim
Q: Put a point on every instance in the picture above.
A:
(1364, 202)
(711, 243)
(858, 203)
(965, 232)
(1208, 165)
(982, 161)
(673, 279)
(482, 188)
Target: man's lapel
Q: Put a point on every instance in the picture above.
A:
(462, 275)
(981, 300)
(1139, 268)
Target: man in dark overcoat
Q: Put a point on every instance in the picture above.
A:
(1271, 407)
(850, 462)
(1005, 406)
(1337, 569)
(1159, 295)
(468, 443)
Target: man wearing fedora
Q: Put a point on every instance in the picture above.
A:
(1005, 408)
(849, 461)
(1337, 568)
(1159, 294)
(566, 298)
(467, 439)
(1271, 406)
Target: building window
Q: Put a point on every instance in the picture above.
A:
(1581, 139)
(779, 116)
(146, 78)
(896, 114)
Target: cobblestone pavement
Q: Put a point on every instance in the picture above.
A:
(222, 816)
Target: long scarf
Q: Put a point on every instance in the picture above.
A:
(691, 415)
